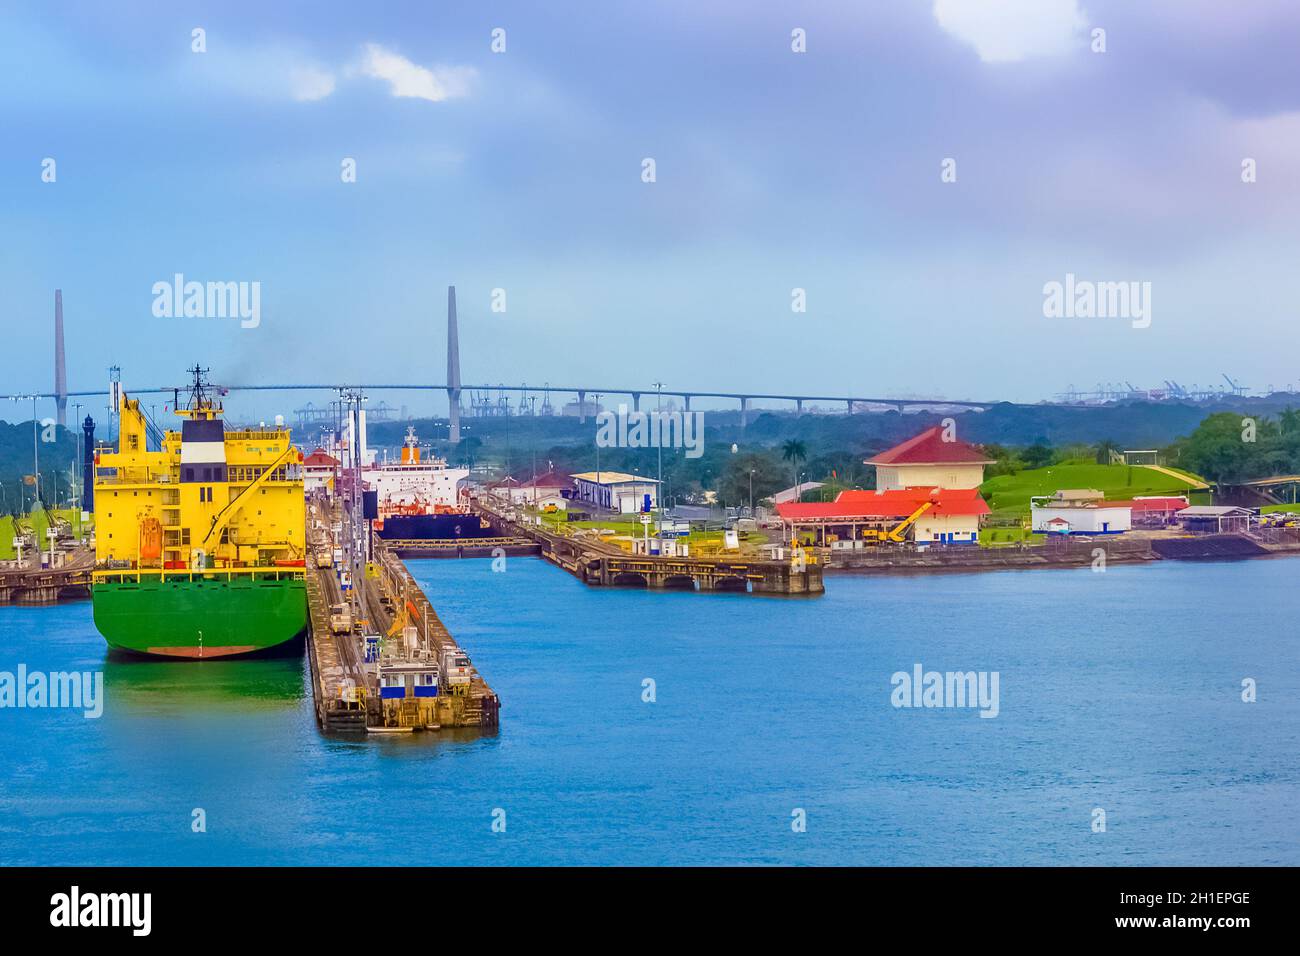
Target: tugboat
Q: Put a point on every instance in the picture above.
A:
(200, 545)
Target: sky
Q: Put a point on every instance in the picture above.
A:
(523, 169)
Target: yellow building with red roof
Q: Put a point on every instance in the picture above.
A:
(932, 459)
(927, 493)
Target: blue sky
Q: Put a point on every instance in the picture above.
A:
(775, 170)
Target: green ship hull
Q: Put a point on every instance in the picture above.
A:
(201, 618)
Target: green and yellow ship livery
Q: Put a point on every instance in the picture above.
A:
(199, 545)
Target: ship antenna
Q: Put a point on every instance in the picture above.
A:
(198, 393)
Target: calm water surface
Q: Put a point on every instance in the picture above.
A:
(1119, 690)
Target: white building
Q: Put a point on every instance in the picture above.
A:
(616, 491)
(1079, 511)
(795, 491)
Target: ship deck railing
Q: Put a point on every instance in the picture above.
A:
(189, 575)
(257, 434)
(451, 544)
(152, 477)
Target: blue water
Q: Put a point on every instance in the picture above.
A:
(1119, 690)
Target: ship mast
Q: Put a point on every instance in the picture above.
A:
(200, 404)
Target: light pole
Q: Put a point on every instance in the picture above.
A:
(36, 456)
(580, 411)
(77, 477)
(659, 442)
(22, 491)
(751, 492)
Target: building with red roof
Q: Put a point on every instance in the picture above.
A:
(547, 490)
(933, 459)
(550, 481)
(319, 472)
(924, 516)
(1154, 511)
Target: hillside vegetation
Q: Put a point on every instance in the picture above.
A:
(1010, 494)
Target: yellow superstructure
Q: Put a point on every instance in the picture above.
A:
(209, 498)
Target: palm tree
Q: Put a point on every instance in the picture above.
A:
(794, 452)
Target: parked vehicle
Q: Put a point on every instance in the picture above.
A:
(455, 667)
(340, 619)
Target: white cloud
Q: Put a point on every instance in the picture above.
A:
(275, 72)
(263, 72)
(409, 79)
(1006, 31)
(311, 83)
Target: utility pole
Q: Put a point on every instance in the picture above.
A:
(659, 441)
(36, 457)
(353, 399)
(76, 466)
(582, 411)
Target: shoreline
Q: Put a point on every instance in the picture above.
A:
(1069, 555)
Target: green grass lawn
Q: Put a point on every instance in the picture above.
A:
(1010, 494)
(1001, 537)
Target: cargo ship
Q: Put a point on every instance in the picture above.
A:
(199, 545)
(420, 500)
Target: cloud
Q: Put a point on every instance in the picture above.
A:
(263, 72)
(279, 72)
(1007, 31)
(407, 79)
(309, 83)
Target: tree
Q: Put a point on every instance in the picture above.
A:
(1104, 450)
(794, 451)
(1037, 455)
(469, 448)
(733, 483)
(1224, 449)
